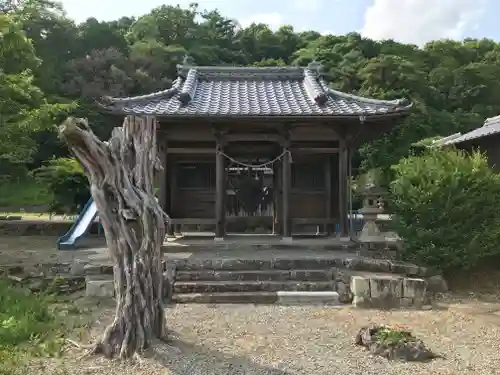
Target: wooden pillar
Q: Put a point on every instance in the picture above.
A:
(278, 191)
(343, 185)
(220, 191)
(172, 175)
(286, 227)
(162, 176)
(328, 194)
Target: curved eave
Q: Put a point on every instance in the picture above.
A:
(109, 101)
(393, 105)
(388, 108)
(400, 113)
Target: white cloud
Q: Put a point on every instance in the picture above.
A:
(273, 20)
(419, 21)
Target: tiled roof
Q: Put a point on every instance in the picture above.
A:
(246, 91)
(491, 126)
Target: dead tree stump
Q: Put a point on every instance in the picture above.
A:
(121, 175)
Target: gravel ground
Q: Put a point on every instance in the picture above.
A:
(276, 340)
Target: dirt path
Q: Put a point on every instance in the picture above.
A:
(278, 340)
(29, 250)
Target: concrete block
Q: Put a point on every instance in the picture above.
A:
(414, 288)
(345, 294)
(360, 286)
(77, 268)
(406, 302)
(361, 302)
(385, 286)
(99, 287)
(307, 298)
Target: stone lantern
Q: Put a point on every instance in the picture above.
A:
(372, 241)
(372, 207)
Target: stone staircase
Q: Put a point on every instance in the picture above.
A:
(333, 280)
(248, 285)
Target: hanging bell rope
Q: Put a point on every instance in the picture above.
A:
(252, 166)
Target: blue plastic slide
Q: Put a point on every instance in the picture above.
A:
(79, 228)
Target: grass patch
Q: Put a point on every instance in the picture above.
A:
(24, 193)
(30, 327)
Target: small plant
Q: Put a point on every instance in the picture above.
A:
(394, 335)
(393, 342)
(28, 327)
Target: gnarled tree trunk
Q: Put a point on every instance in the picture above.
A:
(121, 175)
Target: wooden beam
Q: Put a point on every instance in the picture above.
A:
(316, 150)
(253, 137)
(313, 221)
(197, 151)
(193, 221)
(191, 150)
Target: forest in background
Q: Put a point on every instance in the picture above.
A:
(50, 66)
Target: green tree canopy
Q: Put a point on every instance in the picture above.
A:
(453, 84)
(23, 108)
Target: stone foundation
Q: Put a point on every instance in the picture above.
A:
(362, 282)
(376, 291)
(334, 278)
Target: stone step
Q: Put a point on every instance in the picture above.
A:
(282, 298)
(255, 275)
(227, 297)
(99, 286)
(355, 263)
(297, 298)
(251, 286)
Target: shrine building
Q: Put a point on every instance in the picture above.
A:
(246, 148)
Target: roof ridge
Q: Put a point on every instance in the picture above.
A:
(314, 88)
(492, 120)
(227, 68)
(236, 72)
(189, 88)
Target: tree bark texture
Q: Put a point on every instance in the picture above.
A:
(121, 175)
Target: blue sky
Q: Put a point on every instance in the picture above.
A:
(413, 21)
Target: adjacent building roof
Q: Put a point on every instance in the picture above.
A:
(246, 91)
(490, 127)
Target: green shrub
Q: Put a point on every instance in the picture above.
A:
(446, 207)
(67, 183)
(23, 192)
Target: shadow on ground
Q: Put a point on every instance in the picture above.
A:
(182, 358)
